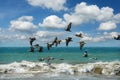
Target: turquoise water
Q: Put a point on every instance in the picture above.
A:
(69, 54)
(17, 63)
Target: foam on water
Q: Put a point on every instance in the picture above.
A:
(104, 68)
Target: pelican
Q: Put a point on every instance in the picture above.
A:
(68, 27)
(32, 40)
(82, 44)
(54, 40)
(79, 35)
(58, 42)
(68, 40)
(40, 48)
(117, 38)
(49, 46)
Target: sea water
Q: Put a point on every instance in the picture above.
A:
(20, 64)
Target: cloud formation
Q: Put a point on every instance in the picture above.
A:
(47, 36)
(84, 13)
(23, 24)
(53, 21)
(55, 5)
(107, 26)
(104, 37)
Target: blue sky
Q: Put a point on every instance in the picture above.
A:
(97, 20)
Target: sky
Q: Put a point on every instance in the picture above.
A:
(97, 20)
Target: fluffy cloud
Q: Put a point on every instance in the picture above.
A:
(53, 22)
(47, 36)
(116, 18)
(23, 24)
(56, 5)
(107, 26)
(85, 13)
(104, 37)
(12, 37)
(112, 34)
(93, 39)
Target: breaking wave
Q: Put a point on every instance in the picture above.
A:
(102, 68)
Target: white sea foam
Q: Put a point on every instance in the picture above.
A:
(104, 68)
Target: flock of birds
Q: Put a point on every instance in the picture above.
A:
(56, 41)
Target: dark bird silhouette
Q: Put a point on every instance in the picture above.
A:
(117, 38)
(69, 39)
(36, 45)
(68, 27)
(82, 44)
(55, 40)
(40, 48)
(31, 49)
(58, 42)
(79, 35)
(49, 46)
(31, 40)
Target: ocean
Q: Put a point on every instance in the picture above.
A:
(102, 63)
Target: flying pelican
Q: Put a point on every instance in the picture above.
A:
(54, 40)
(40, 48)
(68, 27)
(68, 40)
(79, 35)
(58, 42)
(117, 38)
(82, 44)
(31, 40)
(49, 46)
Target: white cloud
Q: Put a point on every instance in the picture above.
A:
(47, 36)
(105, 14)
(20, 37)
(104, 37)
(107, 26)
(23, 24)
(84, 13)
(12, 38)
(111, 34)
(116, 18)
(93, 39)
(56, 5)
(53, 21)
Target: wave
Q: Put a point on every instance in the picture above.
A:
(102, 68)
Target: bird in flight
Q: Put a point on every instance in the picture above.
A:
(79, 35)
(117, 38)
(40, 48)
(49, 45)
(81, 44)
(68, 27)
(56, 41)
(32, 40)
(69, 39)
